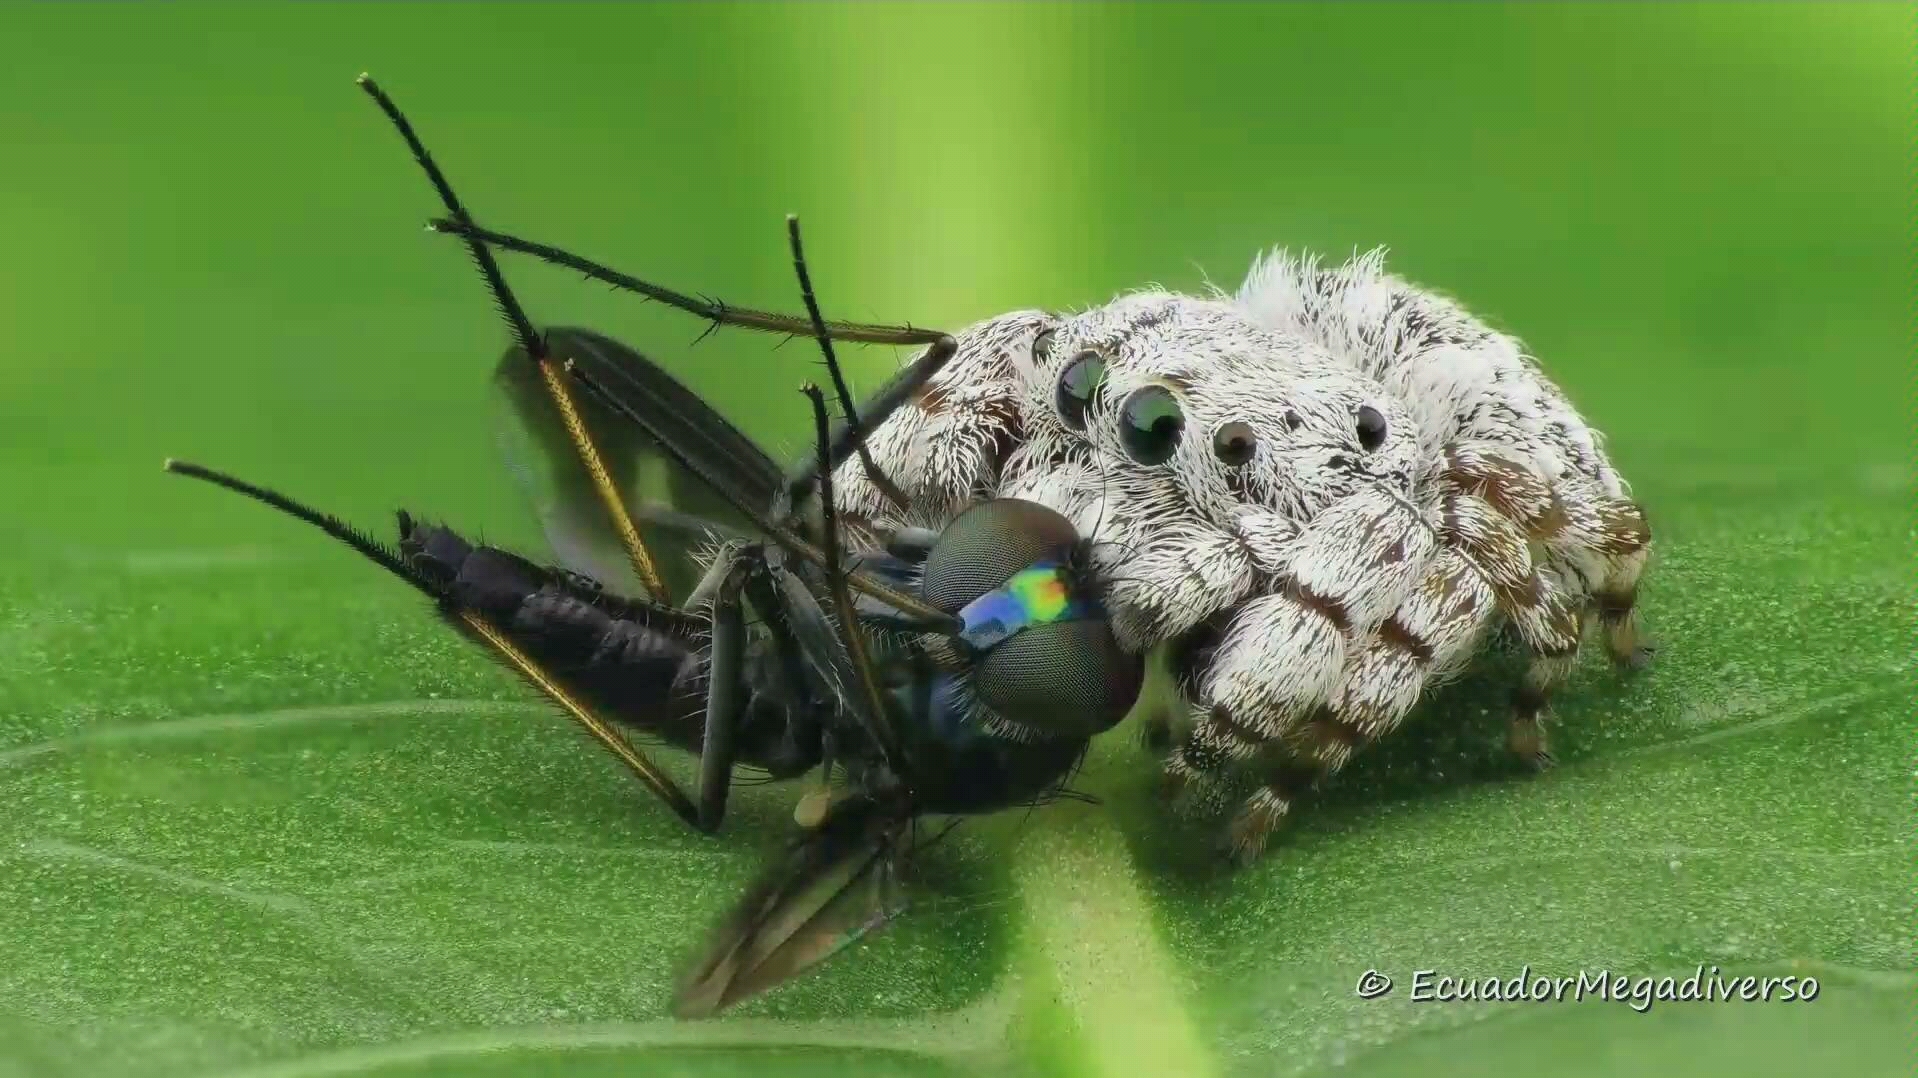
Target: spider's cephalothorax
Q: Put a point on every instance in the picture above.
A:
(1322, 492)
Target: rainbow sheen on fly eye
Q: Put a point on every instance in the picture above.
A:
(1151, 423)
(1078, 384)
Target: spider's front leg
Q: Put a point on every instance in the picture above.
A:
(948, 444)
(1330, 658)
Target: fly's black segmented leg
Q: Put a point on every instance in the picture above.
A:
(724, 699)
(531, 343)
(850, 415)
(595, 654)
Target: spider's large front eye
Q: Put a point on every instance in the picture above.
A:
(1150, 423)
(1371, 427)
(1234, 442)
(1078, 384)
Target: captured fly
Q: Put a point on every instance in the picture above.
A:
(945, 673)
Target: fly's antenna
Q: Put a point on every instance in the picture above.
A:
(509, 307)
(374, 550)
(875, 706)
(840, 389)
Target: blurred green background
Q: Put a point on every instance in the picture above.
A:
(267, 818)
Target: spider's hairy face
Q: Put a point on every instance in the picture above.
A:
(1176, 394)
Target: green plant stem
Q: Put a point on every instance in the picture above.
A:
(1098, 970)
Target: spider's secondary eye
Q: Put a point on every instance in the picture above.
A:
(1234, 442)
(1042, 347)
(1150, 423)
(1371, 427)
(1078, 383)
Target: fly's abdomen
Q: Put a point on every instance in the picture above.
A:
(641, 664)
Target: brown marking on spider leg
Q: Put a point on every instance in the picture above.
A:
(1526, 736)
(1547, 619)
(1264, 810)
(1495, 546)
(1617, 604)
(1328, 607)
(1508, 486)
(1330, 739)
(1622, 527)
(1396, 633)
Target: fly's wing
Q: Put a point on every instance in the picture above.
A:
(676, 514)
(836, 883)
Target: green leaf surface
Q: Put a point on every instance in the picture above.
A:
(266, 817)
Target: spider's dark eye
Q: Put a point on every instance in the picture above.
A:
(1078, 384)
(1150, 423)
(1234, 442)
(1042, 347)
(1371, 427)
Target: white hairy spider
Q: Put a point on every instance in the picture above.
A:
(1322, 492)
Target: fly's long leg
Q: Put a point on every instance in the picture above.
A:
(870, 700)
(845, 437)
(848, 410)
(530, 341)
(643, 768)
(714, 311)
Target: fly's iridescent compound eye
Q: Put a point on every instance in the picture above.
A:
(1150, 425)
(1078, 384)
(1371, 427)
(1234, 443)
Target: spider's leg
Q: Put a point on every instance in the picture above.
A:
(1273, 697)
(951, 440)
(1492, 512)
(1596, 545)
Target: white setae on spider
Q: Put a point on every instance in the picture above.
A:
(1319, 494)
